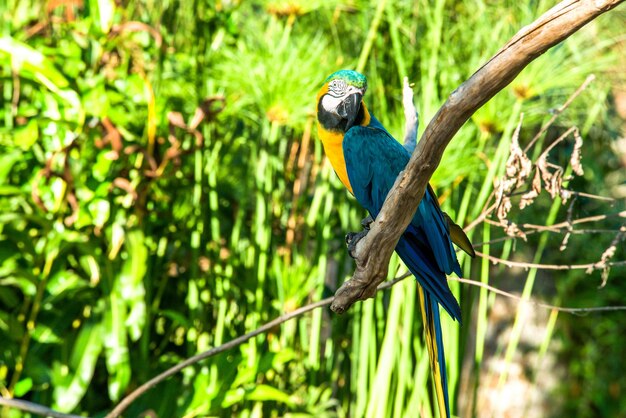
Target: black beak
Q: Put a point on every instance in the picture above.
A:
(349, 109)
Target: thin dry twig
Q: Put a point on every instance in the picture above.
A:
(34, 408)
(589, 267)
(548, 176)
(561, 225)
(482, 217)
(569, 227)
(604, 263)
(518, 169)
(575, 311)
(556, 228)
(374, 251)
(559, 228)
(552, 174)
(560, 110)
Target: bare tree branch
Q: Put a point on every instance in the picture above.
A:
(589, 267)
(575, 311)
(560, 110)
(34, 408)
(374, 251)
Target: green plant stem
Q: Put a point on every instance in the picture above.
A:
(30, 324)
(371, 36)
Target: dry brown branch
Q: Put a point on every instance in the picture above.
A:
(34, 408)
(604, 262)
(482, 217)
(560, 228)
(579, 221)
(518, 169)
(576, 311)
(569, 227)
(589, 267)
(517, 182)
(374, 251)
(563, 229)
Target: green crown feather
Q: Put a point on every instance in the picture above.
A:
(349, 76)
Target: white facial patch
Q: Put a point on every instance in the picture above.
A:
(330, 103)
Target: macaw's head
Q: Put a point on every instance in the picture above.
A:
(339, 105)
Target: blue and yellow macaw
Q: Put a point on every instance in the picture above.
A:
(367, 160)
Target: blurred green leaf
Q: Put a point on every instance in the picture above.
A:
(76, 376)
(25, 285)
(131, 282)
(23, 387)
(26, 135)
(32, 62)
(116, 343)
(7, 160)
(269, 393)
(45, 335)
(103, 12)
(64, 281)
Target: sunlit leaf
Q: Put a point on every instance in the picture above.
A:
(46, 335)
(268, 393)
(131, 282)
(25, 136)
(6, 163)
(85, 354)
(31, 63)
(103, 11)
(23, 387)
(25, 285)
(116, 342)
(64, 281)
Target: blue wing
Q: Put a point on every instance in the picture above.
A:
(373, 161)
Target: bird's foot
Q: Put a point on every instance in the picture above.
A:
(366, 222)
(352, 238)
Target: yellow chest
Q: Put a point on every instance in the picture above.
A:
(332, 147)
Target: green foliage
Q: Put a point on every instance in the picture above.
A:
(162, 192)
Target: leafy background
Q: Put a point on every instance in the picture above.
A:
(163, 191)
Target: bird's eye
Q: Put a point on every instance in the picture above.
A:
(337, 88)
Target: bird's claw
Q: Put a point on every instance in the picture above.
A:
(352, 238)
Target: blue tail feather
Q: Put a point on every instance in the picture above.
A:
(437, 234)
(415, 253)
(422, 249)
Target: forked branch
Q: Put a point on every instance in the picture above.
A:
(374, 251)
